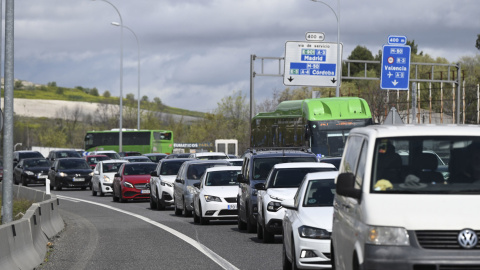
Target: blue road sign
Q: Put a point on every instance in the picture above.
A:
(395, 67)
(397, 40)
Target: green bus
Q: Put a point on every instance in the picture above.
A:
(320, 124)
(143, 141)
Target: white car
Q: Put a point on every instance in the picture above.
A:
(282, 183)
(103, 174)
(215, 196)
(109, 153)
(161, 182)
(307, 224)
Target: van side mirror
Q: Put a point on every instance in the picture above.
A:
(240, 178)
(345, 186)
(260, 186)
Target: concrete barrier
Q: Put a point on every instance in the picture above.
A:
(23, 251)
(6, 259)
(23, 243)
(40, 241)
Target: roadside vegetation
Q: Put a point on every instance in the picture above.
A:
(230, 120)
(20, 207)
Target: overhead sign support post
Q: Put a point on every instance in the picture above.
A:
(395, 73)
(311, 64)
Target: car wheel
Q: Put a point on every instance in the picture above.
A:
(241, 225)
(259, 231)
(100, 190)
(153, 203)
(160, 205)
(120, 197)
(196, 218)
(251, 228)
(286, 264)
(203, 220)
(94, 193)
(185, 212)
(58, 186)
(294, 257)
(115, 198)
(268, 237)
(24, 182)
(178, 212)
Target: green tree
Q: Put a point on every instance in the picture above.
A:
(94, 92)
(477, 44)
(18, 84)
(359, 53)
(107, 94)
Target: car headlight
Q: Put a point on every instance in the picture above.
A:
(210, 198)
(313, 233)
(91, 174)
(29, 173)
(168, 184)
(127, 184)
(106, 179)
(274, 206)
(162, 183)
(62, 174)
(387, 236)
(191, 189)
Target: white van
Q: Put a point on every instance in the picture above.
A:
(407, 198)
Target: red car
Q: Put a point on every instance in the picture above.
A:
(130, 182)
(92, 160)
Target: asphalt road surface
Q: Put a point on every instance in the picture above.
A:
(102, 234)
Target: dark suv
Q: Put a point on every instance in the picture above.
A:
(255, 169)
(54, 154)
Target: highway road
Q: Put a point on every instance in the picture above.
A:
(102, 234)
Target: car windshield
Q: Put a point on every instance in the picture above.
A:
(139, 169)
(222, 178)
(95, 160)
(196, 171)
(36, 163)
(291, 177)
(262, 166)
(111, 167)
(211, 157)
(66, 154)
(319, 193)
(111, 155)
(171, 168)
(31, 155)
(427, 165)
(73, 164)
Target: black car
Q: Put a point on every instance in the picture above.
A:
(31, 171)
(19, 155)
(54, 154)
(182, 155)
(156, 157)
(255, 169)
(70, 173)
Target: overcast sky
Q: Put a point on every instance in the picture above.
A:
(195, 52)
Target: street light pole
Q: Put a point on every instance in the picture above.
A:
(120, 139)
(339, 62)
(138, 56)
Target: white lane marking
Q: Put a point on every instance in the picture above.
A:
(208, 252)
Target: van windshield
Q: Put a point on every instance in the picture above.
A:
(430, 165)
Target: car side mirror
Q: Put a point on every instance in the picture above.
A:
(197, 185)
(345, 186)
(289, 204)
(240, 178)
(178, 181)
(52, 168)
(117, 175)
(96, 172)
(260, 186)
(154, 173)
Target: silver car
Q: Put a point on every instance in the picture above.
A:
(190, 173)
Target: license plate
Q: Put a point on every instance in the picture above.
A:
(42, 176)
(145, 191)
(77, 179)
(232, 206)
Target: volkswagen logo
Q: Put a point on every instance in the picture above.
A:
(467, 238)
(78, 175)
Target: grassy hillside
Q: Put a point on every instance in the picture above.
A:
(53, 92)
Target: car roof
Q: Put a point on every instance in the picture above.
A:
(133, 157)
(277, 153)
(104, 151)
(176, 159)
(139, 163)
(303, 165)
(409, 130)
(96, 156)
(224, 168)
(199, 161)
(321, 175)
(203, 154)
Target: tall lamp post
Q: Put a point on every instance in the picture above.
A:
(120, 139)
(138, 55)
(339, 62)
